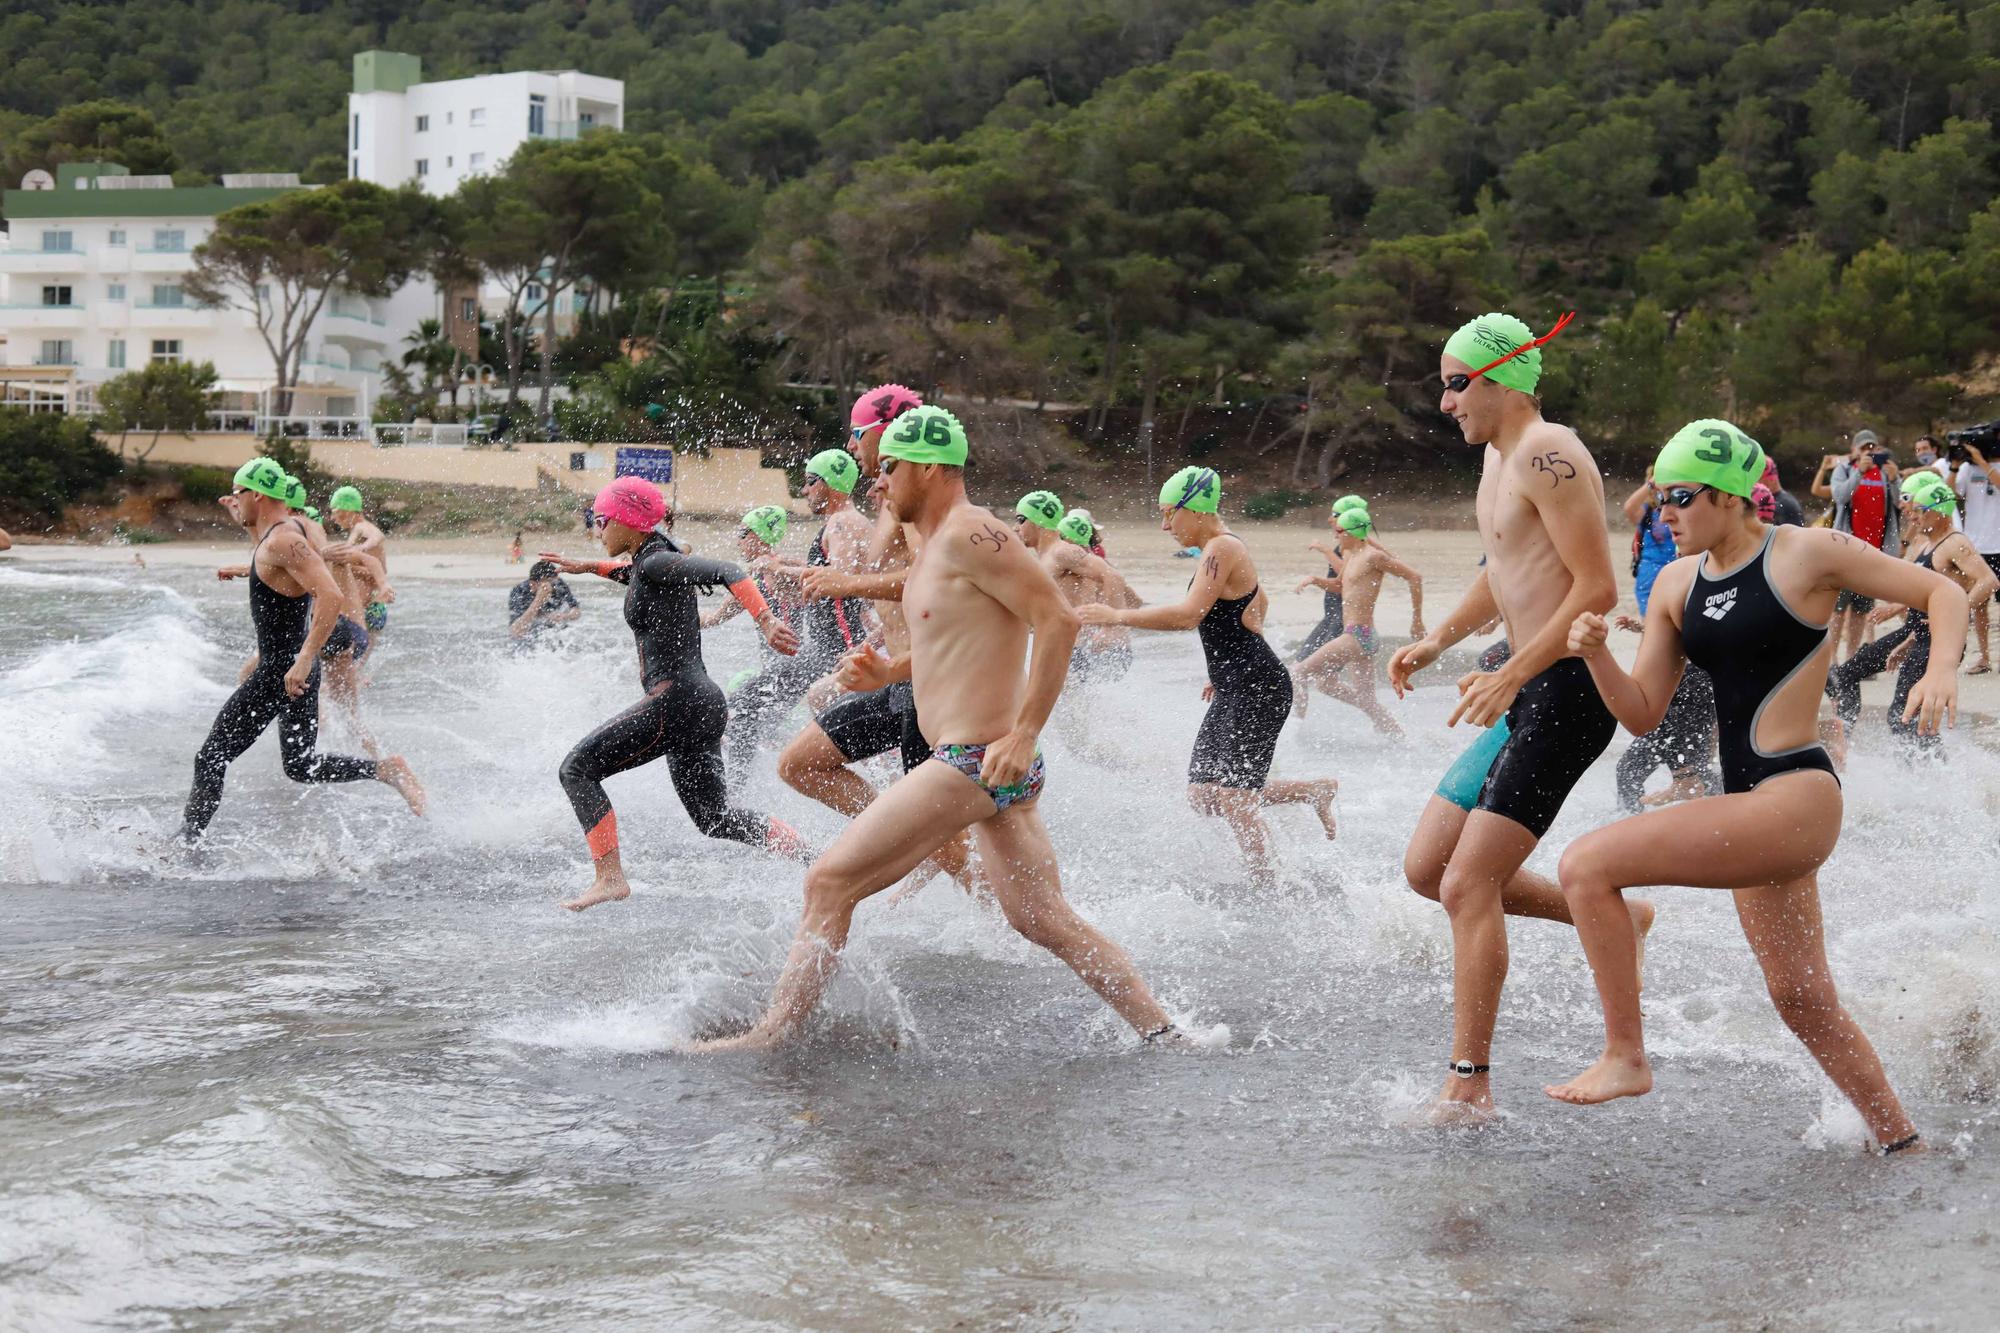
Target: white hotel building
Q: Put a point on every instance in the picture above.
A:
(92, 264)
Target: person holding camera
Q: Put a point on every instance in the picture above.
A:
(1976, 479)
(1861, 486)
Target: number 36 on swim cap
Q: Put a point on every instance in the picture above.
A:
(927, 434)
(1711, 452)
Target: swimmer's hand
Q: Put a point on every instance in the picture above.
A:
(1208, 692)
(228, 572)
(778, 634)
(1588, 634)
(1934, 700)
(820, 583)
(1096, 613)
(1484, 697)
(1630, 624)
(862, 671)
(1007, 759)
(296, 678)
(1410, 659)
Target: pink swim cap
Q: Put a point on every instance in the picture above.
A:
(883, 404)
(1770, 472)
(633, 501)
(1767, 503)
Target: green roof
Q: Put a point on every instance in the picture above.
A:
(198, 201)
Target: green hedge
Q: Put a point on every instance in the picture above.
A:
(49, 461)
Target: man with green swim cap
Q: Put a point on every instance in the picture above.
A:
(1548, 560)
(294, 605)
(1345, 666)
(828, 628)
(1041, 508)
(347, 498)
(348, 515)
(1103, 653)
(974, 596)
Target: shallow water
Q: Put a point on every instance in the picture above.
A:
(354, 1068)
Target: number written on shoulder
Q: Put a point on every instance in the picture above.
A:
(1557, 468)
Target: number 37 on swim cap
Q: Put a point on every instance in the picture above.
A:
(1711, 452)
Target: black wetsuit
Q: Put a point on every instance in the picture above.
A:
(1843, 683)
(1684, 740)
(1739, 630)
(862, 726)
(282, 624)
(1253, 697)
(830, 626)
(683, 714)
(1332, 623)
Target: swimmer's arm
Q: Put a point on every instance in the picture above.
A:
(1635, 503)
(1474, 610)
(6, 542)
(885, 587)
(1009, 573)
(1408, 574)
(726, 611)
(1216, 567)
(1574, 518)
(1841, 561)
(1639, 699)
(291, 552)
(1976, 578)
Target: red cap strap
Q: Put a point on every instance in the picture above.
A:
(1560, 325)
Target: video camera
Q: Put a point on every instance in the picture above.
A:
(1985, 438)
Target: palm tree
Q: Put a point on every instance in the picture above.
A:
(435, 355)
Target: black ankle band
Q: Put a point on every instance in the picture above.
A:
(1901, 1144)
(1465, 1068)
(1156, 1033)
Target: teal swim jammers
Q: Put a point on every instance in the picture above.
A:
(1466, 778)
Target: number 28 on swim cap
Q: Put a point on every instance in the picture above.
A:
(1196, 489)
(1713, 453)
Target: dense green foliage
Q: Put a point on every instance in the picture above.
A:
(1162, 206)
(159, 396)
(48, 461)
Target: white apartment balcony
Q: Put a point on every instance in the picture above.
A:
(146, 315)
(13, 259)
(145, 259)
(40, 316)
(354, 327)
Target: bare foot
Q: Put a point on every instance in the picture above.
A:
(1388, 726)
(603, 891)
(1301, 692)
(1465, 1102)
(1612, 1077)
(1325, 791)
(395, 772)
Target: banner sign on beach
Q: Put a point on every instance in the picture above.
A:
(655, 465)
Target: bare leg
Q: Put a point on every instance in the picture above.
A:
(1526, 894)
(905, 824)
(1322, 669)
(1021, 864)
(813, 765)
(1318, 793)
(1784, 928)
(343, 685)
(1779, 833)
(1488, 855)
(1982, 626)
(1237, 807)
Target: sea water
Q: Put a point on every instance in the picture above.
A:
(351, 1068)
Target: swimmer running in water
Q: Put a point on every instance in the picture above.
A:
(1249, 690)
(879, 712)
(349, 515)
(1345, 668)
(831, 627)
(1541, 522)
(681, 719)
(973, 597)
(1103, 653)
(362, 582)
(293, 605)
(1929, 542)
(1749, 604)
(1333, 613)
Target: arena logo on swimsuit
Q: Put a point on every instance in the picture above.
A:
(1717, 606)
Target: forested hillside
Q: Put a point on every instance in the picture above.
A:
(1786, 215)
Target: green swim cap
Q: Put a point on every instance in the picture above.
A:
(1195, 489)
(295, 493)
(768, 522)
(1490, 337)
(312, 513)
(1077, 527)
(926, 434)
(1349, 502)
(262, 476)
(835, 467)
(1354, 521)
(1927, 490)
(1042, 508)
(1711, 452)
(346, 499)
